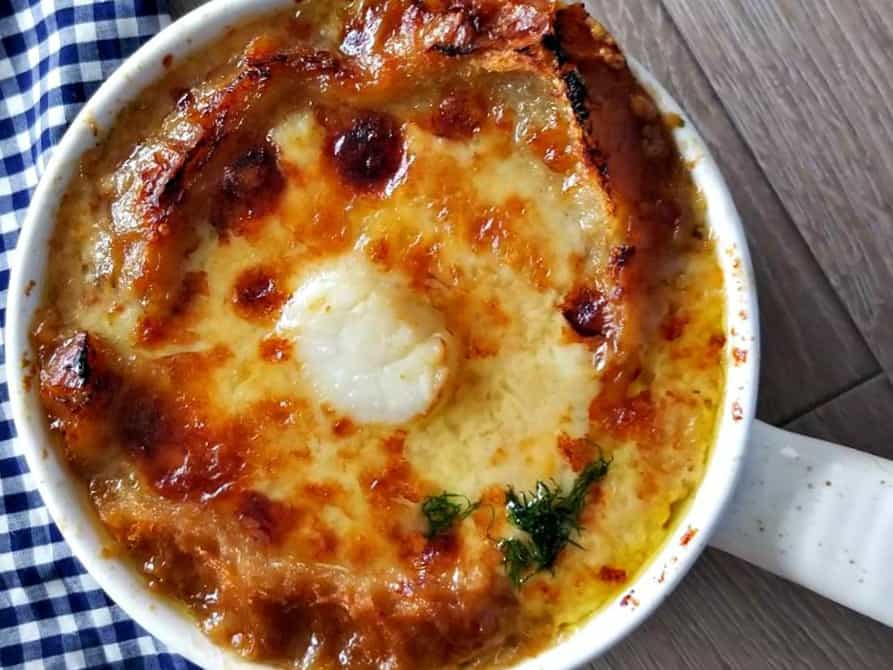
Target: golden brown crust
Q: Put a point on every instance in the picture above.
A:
(448, 27)
(268, 571)
(634, 157)
(151, 215)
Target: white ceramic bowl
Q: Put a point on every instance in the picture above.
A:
(70, 508)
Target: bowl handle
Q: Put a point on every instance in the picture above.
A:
(818, 514)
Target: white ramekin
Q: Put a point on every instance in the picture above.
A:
(66, 499)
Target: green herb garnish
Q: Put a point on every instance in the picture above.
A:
(549, 517)
(445, 510)
(518, 557)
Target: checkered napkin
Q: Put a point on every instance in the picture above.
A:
(53, 55)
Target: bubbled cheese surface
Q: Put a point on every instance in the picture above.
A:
(323, 336)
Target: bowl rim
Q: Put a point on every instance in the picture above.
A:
(168, 621)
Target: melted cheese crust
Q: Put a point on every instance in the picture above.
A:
(500, 164)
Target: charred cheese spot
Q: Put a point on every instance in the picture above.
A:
(369, 151)
(275, 349)
(579, 452)
(257, 293)
(587, 312)
(249, 189)
(68, 377)
(181, 455)
(264, 519)
(608, 574)
(554, 146)
(458, 116)
(343, 427)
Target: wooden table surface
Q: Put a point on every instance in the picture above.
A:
(794, 98)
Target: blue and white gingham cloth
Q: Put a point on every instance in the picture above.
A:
(53, 55)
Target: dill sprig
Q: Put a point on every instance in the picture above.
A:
(518, 557)
(444, 510)
(549, 517)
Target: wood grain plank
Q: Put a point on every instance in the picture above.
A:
(727, 614)
(861, 418)
(809, 85)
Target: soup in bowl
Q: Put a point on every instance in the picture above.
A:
(390, 335)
